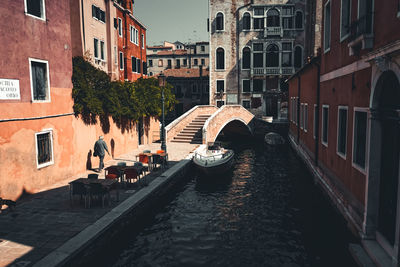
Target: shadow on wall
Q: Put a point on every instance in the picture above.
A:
(112, 142)
(89, 160)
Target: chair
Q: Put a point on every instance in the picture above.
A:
(78, 189)
(93, 176)
(131, 174)
(163, 159)
(97, 190)
(112, 173)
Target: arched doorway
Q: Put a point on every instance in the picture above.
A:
(385, 157)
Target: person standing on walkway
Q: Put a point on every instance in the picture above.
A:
(99, 148)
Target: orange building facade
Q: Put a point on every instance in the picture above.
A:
(41, 141)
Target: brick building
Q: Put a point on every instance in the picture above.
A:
(345, 119)
(254, 47)
(176, 56)
(41, 141)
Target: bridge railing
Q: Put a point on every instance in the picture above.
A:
(180, 123)
(225, 114)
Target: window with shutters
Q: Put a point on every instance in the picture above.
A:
(44, 148)
(39, 74)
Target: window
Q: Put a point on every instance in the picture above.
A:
(220, 62)
(134, 69)
(286, 54)
(160, 62)
(257, 85)
(365, 9)
(305, 118)
(287, 11)
(35, 8)
(178, 63)
(359, 137)
(220, 103)
(272, 56)
(115, 56)
(301, 115)
(132, 34)
(246, 21)
(325, 124)
(40, 84)
(258, 11)
(298, 57)
(144, 67)
(195, 62)
(121, 60)
(342, 131)
(345, 18)
(120, 27)
(102, 56)
(246, 103)
(96, 48)
(246, 86)
(299, 20)
(150, 63)
(258, 55)
(169, 63)
(220, 21)
(315, 121)
(202, 48)
(287, 22)
(273, 19)
(138, 65)
(258, 23)
(246, 58)
(142, 40)
(327, 27)
(98, 14)
(44, 148)
(203, 61)
(220, 86)
(185, 62)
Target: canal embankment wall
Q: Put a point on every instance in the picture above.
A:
(95, 241)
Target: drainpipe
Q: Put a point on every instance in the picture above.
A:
(83, 29)
(237, 47)
(317, 115)
(125, 45)
(298, 107)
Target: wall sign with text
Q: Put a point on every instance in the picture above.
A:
(9, 89)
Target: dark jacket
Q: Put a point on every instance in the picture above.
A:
(99, 148)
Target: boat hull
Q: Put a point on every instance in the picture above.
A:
(214, 169)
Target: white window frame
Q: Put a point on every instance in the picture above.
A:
(119, 27)
(94, 49)
(353, 164)
(121, 60)
(326, 50)
(338, 131)
(48, 80)
(115, 55)
(344, 37)
(142, 36)
(243, 100)
(243, 92)
(33, 16)
(104, 51)
(216, 85)
(243, 29)
(315, 111)
(322, 126)
(132, 34)
(223, 21)
(44, 131)
(305, 117)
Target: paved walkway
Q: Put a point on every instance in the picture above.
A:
(44, 221)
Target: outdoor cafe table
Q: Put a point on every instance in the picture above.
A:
(122, 168)
(150, 158)
(106, 183)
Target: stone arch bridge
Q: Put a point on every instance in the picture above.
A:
(203, 124)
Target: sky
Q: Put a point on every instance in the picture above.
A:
(173, 20)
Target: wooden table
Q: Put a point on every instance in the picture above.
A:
(106, 183)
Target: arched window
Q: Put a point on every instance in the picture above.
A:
(220, 62)
(220, 21)
(298, 57)
(299, 20)
(246, 58)
(272, 56)
(273, 19)
(246, 21)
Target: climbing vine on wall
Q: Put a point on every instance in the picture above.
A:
(97, 97)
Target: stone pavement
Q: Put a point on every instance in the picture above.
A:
(44, 221)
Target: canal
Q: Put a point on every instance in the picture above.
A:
(266, 212)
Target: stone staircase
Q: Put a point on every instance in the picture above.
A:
(192, 133)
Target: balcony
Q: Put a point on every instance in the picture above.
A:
(272, 71)
(273, 31)
(361, 34)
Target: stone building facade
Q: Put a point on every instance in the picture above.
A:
(176, 56)
(254, 47)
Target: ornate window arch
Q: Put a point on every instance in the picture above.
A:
(246, 21)
(298, 56)
(272, 56)
(299, 19)
(273, 18)
(220, 59)
(219, 19)
(246, 55)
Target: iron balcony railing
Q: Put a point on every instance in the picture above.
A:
(273, 31)
(361, 26)
(272, 71)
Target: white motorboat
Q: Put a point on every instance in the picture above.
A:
(213, 159)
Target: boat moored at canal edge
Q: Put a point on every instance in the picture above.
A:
(213, 159)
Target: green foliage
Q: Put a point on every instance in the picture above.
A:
(96, 96)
